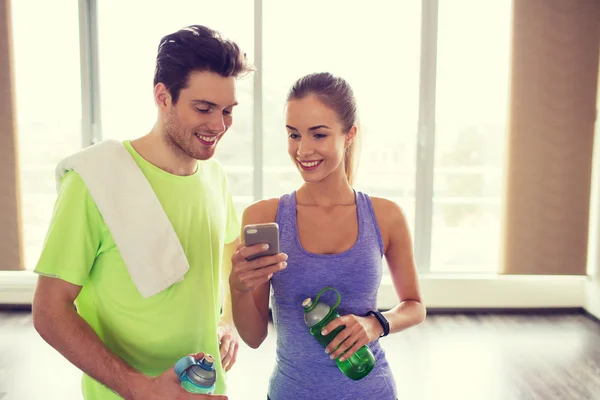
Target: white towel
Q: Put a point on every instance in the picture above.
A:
(142, 231)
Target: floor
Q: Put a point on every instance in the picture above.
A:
(481, 356)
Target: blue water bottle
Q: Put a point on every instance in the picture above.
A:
(197, 376)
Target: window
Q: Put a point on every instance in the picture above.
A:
(471, 107)
(376, 49)
(48, 105)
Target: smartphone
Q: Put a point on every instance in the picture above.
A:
(260, 234)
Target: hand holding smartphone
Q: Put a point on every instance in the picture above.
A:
(251, 265)
(267, 233)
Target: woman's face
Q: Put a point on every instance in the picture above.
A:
(316, 140)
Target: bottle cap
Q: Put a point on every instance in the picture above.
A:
(208, 360)
(307, 303)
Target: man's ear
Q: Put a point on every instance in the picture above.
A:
(162, 97)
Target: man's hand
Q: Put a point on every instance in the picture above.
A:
(167, 386)
(229, 342)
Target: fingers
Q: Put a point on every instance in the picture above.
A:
(260, 262)
(233, 357)
(224, 349)
(241, 264)
(349, 340)
(247, 275)
(244, 252)
(345, 341)
(337, 341)
(250, 280)
(198, 356)
(330, 327)
(357, 345)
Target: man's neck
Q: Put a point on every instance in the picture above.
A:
(157, 150)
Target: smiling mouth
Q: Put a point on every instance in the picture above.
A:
(206, 140)
(309, 165)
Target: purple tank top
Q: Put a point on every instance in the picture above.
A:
(303, 371)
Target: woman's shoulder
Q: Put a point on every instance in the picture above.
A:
(388, 213)
(386, 208)
(261, 211)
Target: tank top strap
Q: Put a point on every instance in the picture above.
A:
(286, 216)
(368, 226)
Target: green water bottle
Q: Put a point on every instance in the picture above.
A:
(317, 315)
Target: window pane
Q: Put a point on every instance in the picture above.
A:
(127, 60)
(378, 53)
(471, 107)
(48, 103)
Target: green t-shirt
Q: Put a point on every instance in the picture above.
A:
(149, 334)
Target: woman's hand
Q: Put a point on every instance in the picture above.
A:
(248, 275)
(358, 331)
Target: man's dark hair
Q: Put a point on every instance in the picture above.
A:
(196, 48)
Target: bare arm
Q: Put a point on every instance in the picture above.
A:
(360, 330)
(249, 280)
(251, 314)
(399, 255)
(55, 319)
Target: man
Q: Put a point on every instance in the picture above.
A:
(126, 343)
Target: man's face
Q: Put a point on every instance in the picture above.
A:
(202, 114)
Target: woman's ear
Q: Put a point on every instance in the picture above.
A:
(350, 136)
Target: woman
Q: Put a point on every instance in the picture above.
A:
(330, 235)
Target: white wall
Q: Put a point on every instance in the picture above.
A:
(593, 285)
(450, 291)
